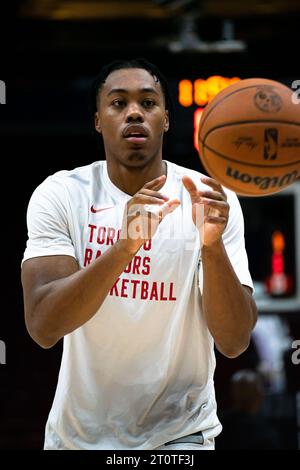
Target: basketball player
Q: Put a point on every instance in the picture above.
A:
(120, 264)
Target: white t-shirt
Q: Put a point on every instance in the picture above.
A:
(140, 372)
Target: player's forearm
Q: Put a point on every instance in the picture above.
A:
(229, 309)
(66, 304)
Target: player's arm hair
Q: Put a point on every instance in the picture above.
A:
(59, 297)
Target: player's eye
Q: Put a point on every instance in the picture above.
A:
(148, 103)
(118, 103)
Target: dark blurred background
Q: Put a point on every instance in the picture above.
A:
(50, 52)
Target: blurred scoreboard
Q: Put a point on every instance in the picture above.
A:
(272, 235)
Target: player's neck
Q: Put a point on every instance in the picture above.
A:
(130, 180)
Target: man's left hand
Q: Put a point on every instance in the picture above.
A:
(216, 209)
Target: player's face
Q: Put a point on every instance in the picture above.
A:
(132, 117)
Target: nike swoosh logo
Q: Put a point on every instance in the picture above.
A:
(100, 210)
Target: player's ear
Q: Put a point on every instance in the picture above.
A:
(166, 125)
(97, 122)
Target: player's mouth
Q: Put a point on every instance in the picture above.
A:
(135, 133)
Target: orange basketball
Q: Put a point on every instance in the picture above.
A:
(249, 137)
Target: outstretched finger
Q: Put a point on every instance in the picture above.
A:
(163, 210)
(148, 192)
(168, 208)
(156, 183)
(191, 187)
(214, 184)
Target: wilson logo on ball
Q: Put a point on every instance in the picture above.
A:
(264, 183)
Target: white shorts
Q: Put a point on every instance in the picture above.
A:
(191, 442)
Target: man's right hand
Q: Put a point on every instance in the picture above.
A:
(139, 223)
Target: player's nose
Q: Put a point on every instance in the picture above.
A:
(134, 113)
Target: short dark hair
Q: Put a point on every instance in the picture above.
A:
(138, 63)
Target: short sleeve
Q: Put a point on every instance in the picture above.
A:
(234, 240)
(47, 221)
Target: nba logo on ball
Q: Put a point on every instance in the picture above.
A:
(2, 92)
(249, 137)
(271, 144)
